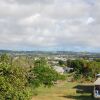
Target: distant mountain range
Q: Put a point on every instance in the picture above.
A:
(90, 54)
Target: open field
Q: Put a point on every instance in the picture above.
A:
(65, 91)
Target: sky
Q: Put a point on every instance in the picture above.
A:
(51, 25)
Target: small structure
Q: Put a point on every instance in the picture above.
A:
(97, 87)
(59, 69)
(68, 69)
(98, 75)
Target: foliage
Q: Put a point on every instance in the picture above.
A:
(18, 82)
(61, 63)
(5, 59)
(69, 62)
(13, 81)
(97, 59)
(85, 69)
(42, 73)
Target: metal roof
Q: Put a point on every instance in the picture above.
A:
(97, 82)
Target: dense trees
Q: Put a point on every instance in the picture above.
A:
(13, 81)
(17, 82)
(61, 63)
(85, 69)
(43, 74)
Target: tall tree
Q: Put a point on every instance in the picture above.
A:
(42, 73)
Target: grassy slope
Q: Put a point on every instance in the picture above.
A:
(65, 91)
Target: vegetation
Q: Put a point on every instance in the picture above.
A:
(43, 74)
(62, 63)
(21, 76)
(85, 69)
(65, 91)
(13, 81)
(17, 82)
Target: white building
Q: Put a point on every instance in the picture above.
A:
(59, 69)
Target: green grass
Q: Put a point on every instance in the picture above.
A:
(65, 91)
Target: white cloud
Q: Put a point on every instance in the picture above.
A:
(29, 20)
(90, 20)
(49, 24)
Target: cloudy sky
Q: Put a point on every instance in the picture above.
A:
(50, 25)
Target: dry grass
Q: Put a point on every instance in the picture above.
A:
(64, 91)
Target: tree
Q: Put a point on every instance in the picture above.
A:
(69, 63)
(18, 83)
(85, 69)
(61, 63)
(42, 73)
(13, 81)
(4, 58)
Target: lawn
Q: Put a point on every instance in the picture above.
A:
(65, 91)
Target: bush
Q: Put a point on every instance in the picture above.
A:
(84, 69)
(42, 73)
(18, 83)
(13, 82)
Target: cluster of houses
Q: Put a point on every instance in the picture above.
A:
(54, 63)
(62, 70)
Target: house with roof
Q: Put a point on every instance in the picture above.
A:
(97, 87)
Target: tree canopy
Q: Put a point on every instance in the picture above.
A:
(17, 83)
